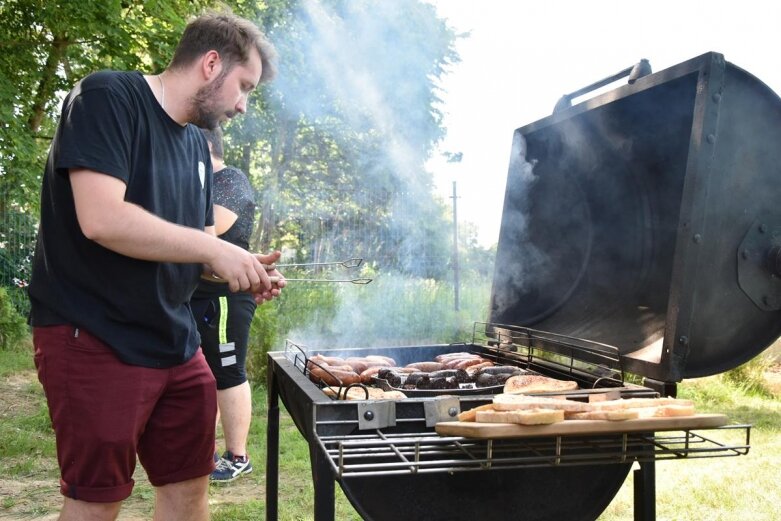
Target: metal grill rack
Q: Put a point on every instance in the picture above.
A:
(380, 454)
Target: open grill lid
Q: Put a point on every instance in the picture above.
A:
(649, 218)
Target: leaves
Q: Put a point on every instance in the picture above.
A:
(336, 146)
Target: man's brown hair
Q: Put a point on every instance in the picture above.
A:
(231, 36)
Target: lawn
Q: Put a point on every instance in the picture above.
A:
(744, 487)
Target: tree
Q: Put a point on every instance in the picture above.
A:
(336, 146)
(337, 143)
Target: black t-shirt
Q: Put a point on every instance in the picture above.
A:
(232, 190)
(112, 123)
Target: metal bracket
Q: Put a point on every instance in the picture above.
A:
(441, 409)
(758, 264)
(376, 414)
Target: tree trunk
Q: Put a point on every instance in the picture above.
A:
(286, 133)
(45, 90)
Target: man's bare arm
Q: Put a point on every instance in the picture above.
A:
(106, 218)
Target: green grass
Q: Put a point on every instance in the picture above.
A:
(744, 487)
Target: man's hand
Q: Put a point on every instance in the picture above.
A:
(279, 279)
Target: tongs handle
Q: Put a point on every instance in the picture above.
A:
(350, 263)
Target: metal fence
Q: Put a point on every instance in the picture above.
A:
(17, 242)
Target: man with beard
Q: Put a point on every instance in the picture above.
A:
(125, 234)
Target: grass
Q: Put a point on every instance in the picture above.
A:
(743, 487)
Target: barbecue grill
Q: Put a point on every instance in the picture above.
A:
(640, 245)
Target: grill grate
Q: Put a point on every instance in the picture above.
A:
(381, 454)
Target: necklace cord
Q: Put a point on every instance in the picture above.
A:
(162, 88)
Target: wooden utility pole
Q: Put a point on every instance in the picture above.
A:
(455, 245)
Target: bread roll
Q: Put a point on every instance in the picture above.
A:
(516, 402)
(527, 417)
(618, 415)
(469, 416)
(535, 383)
(638, 403)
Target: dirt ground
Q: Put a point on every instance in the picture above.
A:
(37, 496)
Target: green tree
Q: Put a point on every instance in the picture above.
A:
(45, 47)
(337, 144)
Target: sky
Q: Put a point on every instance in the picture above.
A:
(520, 57)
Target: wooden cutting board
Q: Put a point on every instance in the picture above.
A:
(578, 427)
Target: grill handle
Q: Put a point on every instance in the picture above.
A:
(635, 72)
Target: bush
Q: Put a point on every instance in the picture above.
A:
(13, 327)
(750, 377)
(300, 304)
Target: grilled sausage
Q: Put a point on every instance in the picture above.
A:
(426, 367)
(463, 364)
(460, 375)
(499, 369)
(328, 360)
(379, 358)
(371, 372)
(359, 365)
(473, 369)
(391, 376)
(333, 376)
(450, 356)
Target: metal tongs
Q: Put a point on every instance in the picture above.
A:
(349, 264)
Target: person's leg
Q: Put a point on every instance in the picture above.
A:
(177, 447)
(98, 408)
(235, 406)
(233, 391)
(75, 510)
(183, 501)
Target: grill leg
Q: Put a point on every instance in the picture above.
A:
(324, 485)
(645, 492)
(272, 448)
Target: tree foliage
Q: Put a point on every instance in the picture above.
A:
(335, 146)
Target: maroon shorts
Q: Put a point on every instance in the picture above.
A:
(104, 412)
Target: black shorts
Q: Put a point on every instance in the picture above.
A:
(224, 335)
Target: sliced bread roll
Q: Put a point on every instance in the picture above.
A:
(535, 383)
(618, 415)
(525, 417)
(638, 403)
(470, 415)
(666, 411)
(515, 402)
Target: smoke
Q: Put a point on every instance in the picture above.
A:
(368, 70)
(516, 270)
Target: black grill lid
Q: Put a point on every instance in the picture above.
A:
(649, 218)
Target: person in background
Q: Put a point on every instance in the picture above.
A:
(224, 318)
(126, 230)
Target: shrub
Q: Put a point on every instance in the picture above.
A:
(13, 327)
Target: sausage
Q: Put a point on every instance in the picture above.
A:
(448, 356)
(502, 369)
(463, 364)
(379, 358)
(487, 380)
(359, 365)
(473, 369)
(458, 363)
(329, 360)
(390, 375)
(460, 375)
(368, 374)
(414, 380)
(426, 367)
(333, 376)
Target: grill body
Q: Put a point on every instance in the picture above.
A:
(643, 228)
